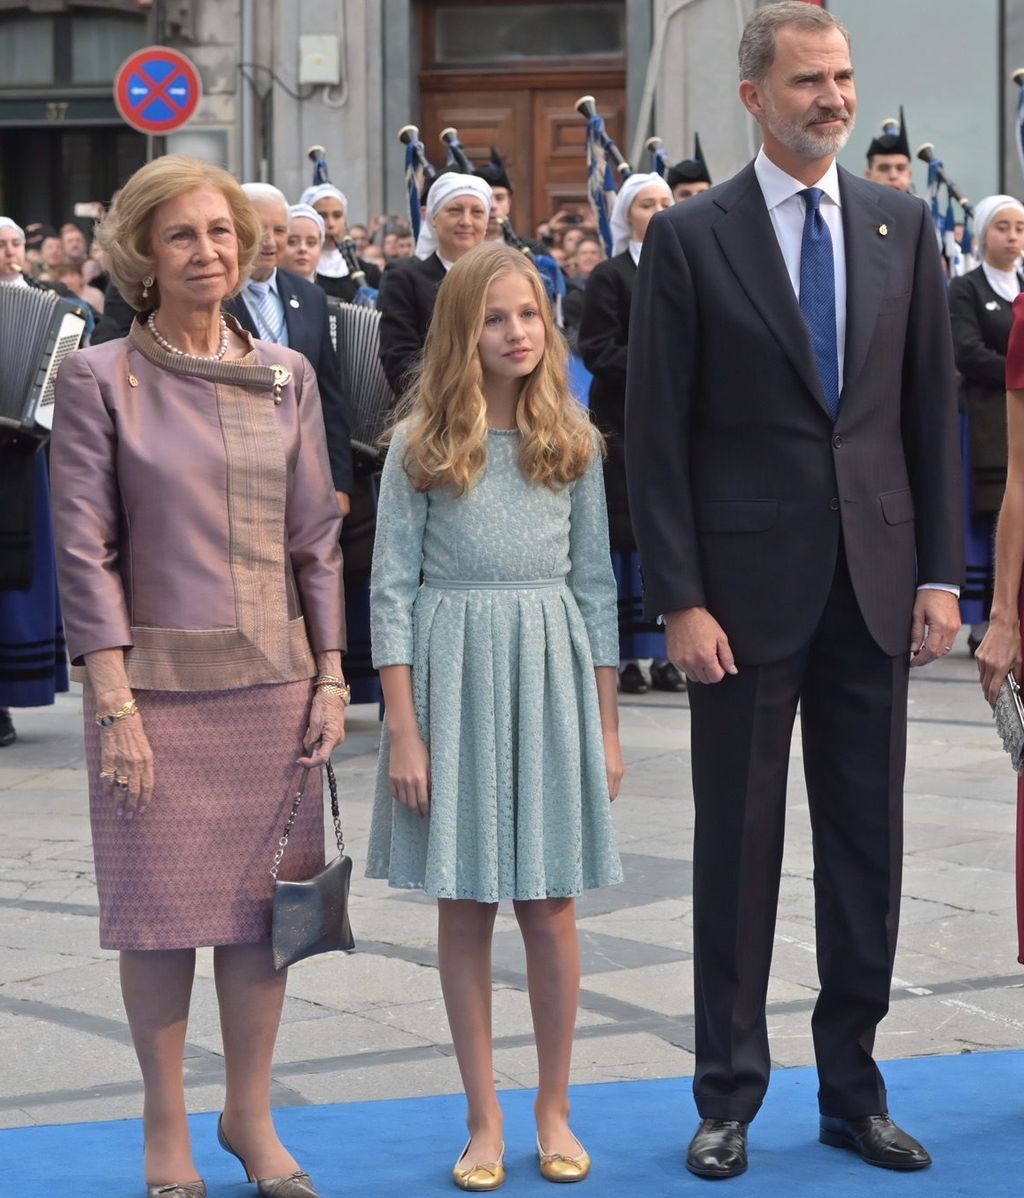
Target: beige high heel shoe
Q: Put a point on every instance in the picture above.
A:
(479, 1177)
(184, 1189)
(296, 1185)
(556, 1167)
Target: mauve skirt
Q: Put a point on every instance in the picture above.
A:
(194, 868)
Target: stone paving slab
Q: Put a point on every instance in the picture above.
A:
(371, 1024)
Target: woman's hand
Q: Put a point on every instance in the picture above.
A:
(998, 654)
(613, 762)
(127, 765)
(326, 728)
(409, 771)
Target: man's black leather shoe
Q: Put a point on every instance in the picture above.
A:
(718, 1149)
(632, 680)
(876, 1140)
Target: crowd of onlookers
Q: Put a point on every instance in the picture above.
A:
(70, 258)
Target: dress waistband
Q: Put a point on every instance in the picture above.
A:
(492, 584)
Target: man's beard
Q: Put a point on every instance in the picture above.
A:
(809, 141)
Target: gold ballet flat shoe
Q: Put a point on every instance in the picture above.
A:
(556, 1167)
(296, 1185)
(181, 1189)
(479, 1177)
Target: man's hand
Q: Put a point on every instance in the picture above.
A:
(344, 503)
(697, 645)
(934, 626)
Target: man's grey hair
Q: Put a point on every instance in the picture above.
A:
(265, 191)
(757, 45)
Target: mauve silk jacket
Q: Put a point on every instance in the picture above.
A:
(195, 518)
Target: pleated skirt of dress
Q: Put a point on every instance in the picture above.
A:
(193, 869)
(506, 699)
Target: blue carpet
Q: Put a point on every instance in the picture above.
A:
(968, 1110)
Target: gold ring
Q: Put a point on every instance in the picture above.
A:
(121, 780)
(106, 774)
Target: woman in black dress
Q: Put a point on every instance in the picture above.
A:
(333, 273)
(603, 344)
(981, 311)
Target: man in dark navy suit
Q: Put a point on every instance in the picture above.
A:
(793, 461)
(276, 305)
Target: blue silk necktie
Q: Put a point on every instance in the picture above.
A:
(270, 319)
(818, 296)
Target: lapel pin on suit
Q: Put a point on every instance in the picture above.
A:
(992, 306)
(884, 230)
(294, 301)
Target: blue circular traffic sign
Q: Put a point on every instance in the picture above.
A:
(157, 90)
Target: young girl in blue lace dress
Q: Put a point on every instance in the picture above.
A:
(494, 629)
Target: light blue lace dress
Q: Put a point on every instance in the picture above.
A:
(516, 606)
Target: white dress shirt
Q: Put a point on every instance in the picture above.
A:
(787, 210)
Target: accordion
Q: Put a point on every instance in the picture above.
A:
(38, 330)
(355, 332)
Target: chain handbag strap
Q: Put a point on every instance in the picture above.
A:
(282, 844)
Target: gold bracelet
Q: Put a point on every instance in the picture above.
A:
(336, 688)
(323, 678)
(108, 721)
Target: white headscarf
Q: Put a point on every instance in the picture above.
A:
(443, 190)
(628, 192)
(986, 209)
(307, 212)
(332, 265)
(323, 191)
(17, 279)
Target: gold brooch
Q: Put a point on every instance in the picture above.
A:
(132, 381)
(884, 230)
(282, 377)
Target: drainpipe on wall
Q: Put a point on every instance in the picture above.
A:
(247, 111)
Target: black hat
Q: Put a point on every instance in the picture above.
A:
(494, 172)
(690, 170)
(892, 139)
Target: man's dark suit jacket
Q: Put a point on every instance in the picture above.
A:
(408, 290)
(742, 490)
(308, 332)
(603, 341)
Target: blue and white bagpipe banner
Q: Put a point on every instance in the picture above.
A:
(414, 184)
(659, 159)
(934, 188)
(554, 284)
(600, 178)
(969, 257)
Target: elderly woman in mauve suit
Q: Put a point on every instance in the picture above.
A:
(197, 548)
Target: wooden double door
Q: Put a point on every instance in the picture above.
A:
(533, 122)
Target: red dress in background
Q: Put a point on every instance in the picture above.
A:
(1015, 382)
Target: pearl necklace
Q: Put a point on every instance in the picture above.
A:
(164, 344)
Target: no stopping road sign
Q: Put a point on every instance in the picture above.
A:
(157, 90)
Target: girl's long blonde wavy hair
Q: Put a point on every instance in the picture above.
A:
(445, 416)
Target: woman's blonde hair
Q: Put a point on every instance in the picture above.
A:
(445, 416)
(125, 235)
